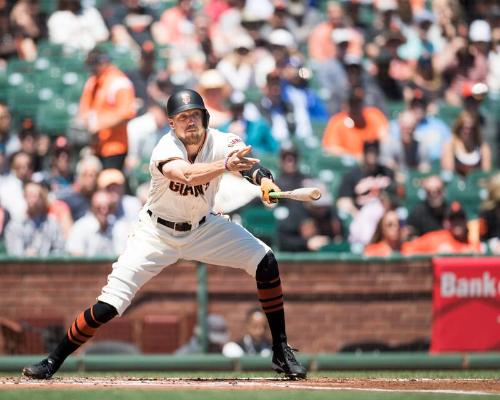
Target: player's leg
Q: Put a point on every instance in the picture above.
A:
(83, 329)
(221, 242)
(143, 258)
(271, 299)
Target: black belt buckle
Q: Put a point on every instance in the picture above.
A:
(176, 226)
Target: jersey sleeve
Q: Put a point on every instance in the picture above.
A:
(229, 143)
(166, 149)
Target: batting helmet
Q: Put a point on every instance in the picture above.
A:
(187, 99)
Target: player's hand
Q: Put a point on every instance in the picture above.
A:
(237, 160)
(267, 186)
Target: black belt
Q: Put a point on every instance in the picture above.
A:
(176, 226)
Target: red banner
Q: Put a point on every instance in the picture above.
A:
(466, 304)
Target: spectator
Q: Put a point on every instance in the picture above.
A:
(75, 27)
(11, 185)
(175, 27)
(106, 106)
(320, 45)
(276, 109)
(400, 150)
(130, 22)
(28, 26)
(280, 19)
(4, 220)
(364, 182)
(429, 214)
(9, 142)
(305, 16)
(348, 130)
(254, 132)
(123, 206)
(452, 239)
(214, 90)
(489, 217)
(493, 78)
(309, 226)
(78, 195)
(238, 66)
(255, 341)
(217, 337)
(466, 151)
(307, 105)
(59, 176)
(426, 81)
(37, 233)
(387, 238)
(337, 76)
(290, 177)
(98, 233)
(431, 132)
(143, 76)
(144, 132)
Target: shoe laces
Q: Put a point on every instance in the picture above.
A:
(288, 353)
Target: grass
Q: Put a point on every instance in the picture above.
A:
(112, 393)
(128, 394)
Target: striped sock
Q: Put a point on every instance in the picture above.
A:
(83, 329)
(271, 299)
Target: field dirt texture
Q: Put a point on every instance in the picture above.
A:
(470, 386)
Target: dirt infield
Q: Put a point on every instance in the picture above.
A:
(469, 386)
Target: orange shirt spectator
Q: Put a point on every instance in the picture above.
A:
(321, 44)
(438, 242)
(346, 131)
(387, 237)
(106, 106)
(452, 239)
(380, 249)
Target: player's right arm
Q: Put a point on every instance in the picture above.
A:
(199, 173)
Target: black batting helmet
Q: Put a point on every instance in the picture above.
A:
(187, 99)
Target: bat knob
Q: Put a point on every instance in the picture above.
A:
(316, 194)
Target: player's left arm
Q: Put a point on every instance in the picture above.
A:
(261, 176)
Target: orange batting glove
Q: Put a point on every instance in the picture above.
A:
(267, 186)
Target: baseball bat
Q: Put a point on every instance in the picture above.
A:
(300, 194)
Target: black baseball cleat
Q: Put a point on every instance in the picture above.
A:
(42, 370)
(284, 361)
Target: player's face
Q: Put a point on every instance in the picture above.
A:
(188, 126)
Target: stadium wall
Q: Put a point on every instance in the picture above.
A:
(332, 302)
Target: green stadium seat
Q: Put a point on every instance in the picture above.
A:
(336, 247)
(23, 99)
(394, 108)
(260, 221)
(448, 113)
(53, 117)
(270, 161)
(414, 193)
(4, 84)
(334, 163)
(468, 192)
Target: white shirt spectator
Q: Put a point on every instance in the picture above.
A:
(87, 239)
(80, 31)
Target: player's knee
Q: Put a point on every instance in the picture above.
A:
(103, 312)
(267, 269)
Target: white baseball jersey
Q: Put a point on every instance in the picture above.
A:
(176, 201)
(152, 246)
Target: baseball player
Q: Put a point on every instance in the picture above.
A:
(176, 222)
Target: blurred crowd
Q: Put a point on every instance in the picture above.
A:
(391, 107)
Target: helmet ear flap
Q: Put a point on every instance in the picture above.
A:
(206, 118)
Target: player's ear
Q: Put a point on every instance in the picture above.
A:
(171, 123)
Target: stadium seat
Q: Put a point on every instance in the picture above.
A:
(467, 192)
(259, 221)
(336, 247)
(394, 108)
(448, 113)
(414, 193)
(53, 117)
